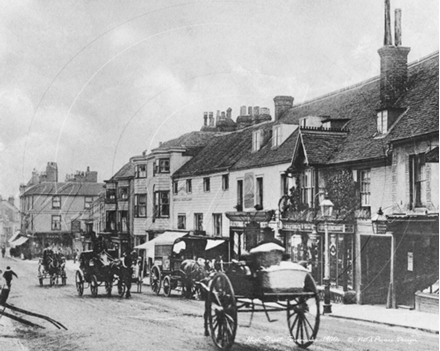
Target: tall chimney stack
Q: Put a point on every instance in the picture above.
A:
(205, 118)
(397, 27)
(387, 40)
(393, 64)
(282, 104)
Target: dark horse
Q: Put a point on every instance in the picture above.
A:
(193, 272)
(117, 269)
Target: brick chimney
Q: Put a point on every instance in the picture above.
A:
(282, 104)
(52, 172)
(393, 62)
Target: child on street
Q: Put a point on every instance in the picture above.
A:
(8, 276)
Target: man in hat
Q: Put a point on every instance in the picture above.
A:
(8, 276)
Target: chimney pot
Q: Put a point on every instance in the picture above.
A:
(243, 111)
(397, 27)
(229, 112)
(282, 104)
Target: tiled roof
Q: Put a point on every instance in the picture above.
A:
(218, 155)
(359, 104)
(267, 155)
(320, 146)
(65, 189)
(126, 171)
(188, 140)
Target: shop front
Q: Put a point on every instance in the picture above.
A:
(305, 242)
(247, 229)
(59, 241)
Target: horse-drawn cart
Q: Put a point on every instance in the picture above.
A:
(181, 260)
(97, 269)
(52, 266)
(266, 284)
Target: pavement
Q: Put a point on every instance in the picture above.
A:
(378, 314)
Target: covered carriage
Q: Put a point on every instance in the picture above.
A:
(96, 269)
(180, 260)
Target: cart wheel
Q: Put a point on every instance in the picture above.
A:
(303, 319)
(222, 312)
(121, 288)
(108, 287)
(167, 286)
(155, 279)
(79, 283)
(94, 286)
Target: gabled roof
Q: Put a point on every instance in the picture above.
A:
(65, 189)
(320, 146)
(359, 104)
(127, 171)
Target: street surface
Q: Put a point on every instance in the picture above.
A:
(150, 322)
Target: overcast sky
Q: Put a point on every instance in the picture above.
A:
(92, 83)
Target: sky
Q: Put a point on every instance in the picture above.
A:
(93, 83)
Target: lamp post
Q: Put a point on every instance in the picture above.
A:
(326, 211)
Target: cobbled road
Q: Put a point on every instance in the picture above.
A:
(150, 322)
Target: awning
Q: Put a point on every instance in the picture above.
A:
(20, 241)
(166, 238)
(15, 236)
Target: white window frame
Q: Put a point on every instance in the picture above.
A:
(181, 219)
(276, 136)
(256, 140)
(88, 201)
(198, 221)
(56, 224)
(207, 184)
(382, 122)
(365, 187)
(217, 224)
(56, 201)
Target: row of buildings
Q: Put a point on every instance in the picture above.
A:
(371, 147)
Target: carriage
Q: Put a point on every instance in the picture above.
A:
(52, 266)
(171, 249)
(262, 283)
(96, 269)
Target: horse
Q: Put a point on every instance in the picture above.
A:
(192, 272)
(116, 268)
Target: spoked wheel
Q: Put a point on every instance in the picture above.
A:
(222, 312)
(155, 279)
(303, 319)
(167, 286)
(79, 282)
(121, 288)
(94, 286)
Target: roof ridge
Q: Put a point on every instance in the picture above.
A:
(362, 83)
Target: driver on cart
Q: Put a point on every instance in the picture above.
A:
(47, 255)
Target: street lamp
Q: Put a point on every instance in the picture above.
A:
(379, 222)
(326, 212)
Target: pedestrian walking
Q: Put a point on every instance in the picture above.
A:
(8, 276)
(3, 251)
(75, 255)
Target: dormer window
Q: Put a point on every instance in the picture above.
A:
(256, 140)
(382, 121)
(276, 136)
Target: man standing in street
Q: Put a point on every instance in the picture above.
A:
(8, 276)
(3, 251)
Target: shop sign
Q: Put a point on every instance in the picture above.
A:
(237, 224)
(298, 226)
(182, 198)
(336, 228)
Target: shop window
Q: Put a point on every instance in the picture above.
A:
(181, 221)
(162, 204)
(56, 222)
(198, 221)
(56, 202)
(217, 219)
(140, 205)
